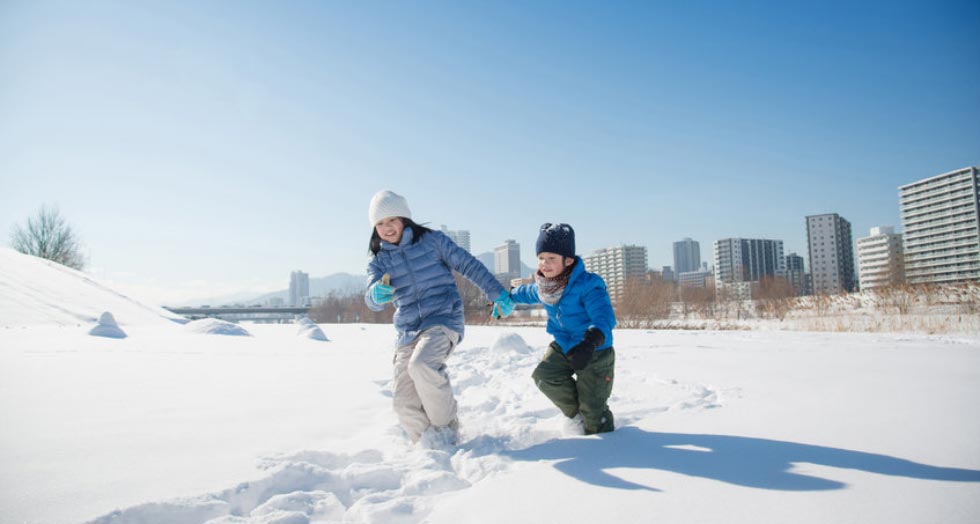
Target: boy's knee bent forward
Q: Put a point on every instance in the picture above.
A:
(594, 385)
(553, 377)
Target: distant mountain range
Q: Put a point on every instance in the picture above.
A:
(342, 283)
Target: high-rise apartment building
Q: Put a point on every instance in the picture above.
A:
(796, 274)
(747, 259)
(831, 253)
(616, 265)
(942, 230)
(880, 259)
(687, 256)
(299, 288)
(507, 261)
(461, 237)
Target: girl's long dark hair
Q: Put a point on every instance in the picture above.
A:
(418, 231)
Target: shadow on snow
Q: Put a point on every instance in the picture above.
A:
(743, 461)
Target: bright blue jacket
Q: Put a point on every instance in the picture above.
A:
(425, 289)
(584, 303)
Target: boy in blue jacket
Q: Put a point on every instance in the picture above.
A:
(576, 372)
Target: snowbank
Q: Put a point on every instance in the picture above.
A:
(214, 326)
(34, 291)
(309, 329)
(107, 327)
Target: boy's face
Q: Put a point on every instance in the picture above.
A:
(390, 229)
(552, 264)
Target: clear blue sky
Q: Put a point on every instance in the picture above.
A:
(201, 148)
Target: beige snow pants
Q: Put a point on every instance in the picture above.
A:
(422, 394)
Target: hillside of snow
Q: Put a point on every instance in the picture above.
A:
(35, 291)
(187, 425)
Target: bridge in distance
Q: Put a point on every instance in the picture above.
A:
(271, 314)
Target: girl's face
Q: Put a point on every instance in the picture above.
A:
(390, 230)
(551, 264)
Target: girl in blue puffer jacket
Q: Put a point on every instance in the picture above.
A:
(412, 267)
(576, 373)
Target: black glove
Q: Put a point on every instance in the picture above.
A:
(581, 353)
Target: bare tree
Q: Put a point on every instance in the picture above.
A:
(700, 300)
(346, 307)
(775, 297)
(644, 300)
(47, 235)
(476, 305)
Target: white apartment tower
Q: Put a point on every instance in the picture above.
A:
(616, 265)
(507, 261)
(880, 261)
(942, 230)
(831, 253)
(299, 288)
(461, 237)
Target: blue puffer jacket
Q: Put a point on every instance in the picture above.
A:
(425, 289)
(584, 303)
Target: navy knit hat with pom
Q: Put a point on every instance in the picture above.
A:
(556, 238)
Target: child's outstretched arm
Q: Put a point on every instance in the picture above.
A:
(526, 294)
(467, 265)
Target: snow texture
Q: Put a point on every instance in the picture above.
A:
(712, 427)
(214, 326)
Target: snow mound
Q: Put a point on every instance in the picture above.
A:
(107, 327)
(510, 342)
(309, 329)
(367, 487)
(214, 326)
(34, 291)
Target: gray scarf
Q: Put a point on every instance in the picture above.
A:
(550, 290)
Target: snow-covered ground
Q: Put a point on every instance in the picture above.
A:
(178, 424)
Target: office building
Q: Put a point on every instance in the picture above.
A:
(617, 265)
(942, 230)
(880, 259)
(461, 238)
(687, 256)
(299, 288)
(831, 254)
(507, 261)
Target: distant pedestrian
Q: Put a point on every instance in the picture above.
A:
(412, 267)
(577, 370)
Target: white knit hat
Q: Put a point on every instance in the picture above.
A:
(387, 204)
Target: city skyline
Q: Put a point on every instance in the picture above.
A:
(208, 149)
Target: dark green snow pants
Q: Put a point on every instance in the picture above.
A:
(586, 393)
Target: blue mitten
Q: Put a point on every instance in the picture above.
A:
(382, 293)
(503, 306)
